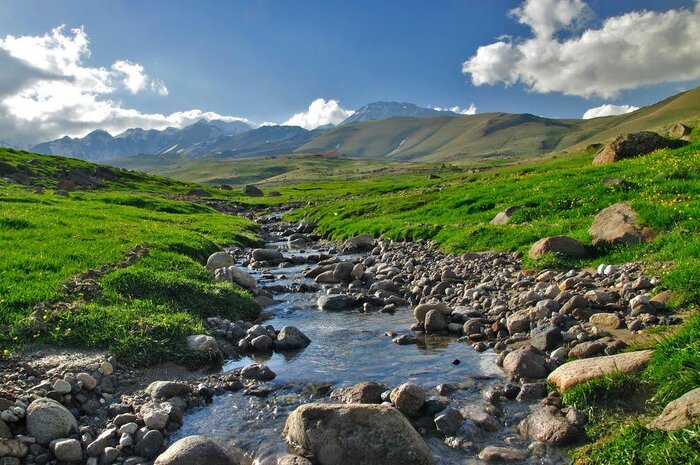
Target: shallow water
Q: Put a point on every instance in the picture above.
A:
(346, 348)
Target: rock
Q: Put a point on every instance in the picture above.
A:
(605, 320)
(587, 349)
(5, 432)
(679, 413)
(545, 338)
(580, 371)
(435, 321)
(89, 383)
(258, 372)
(150, 444)
(421, 310)
(68, 450)
(155, 418)
(274, 194)
(291, 338)
(502, 454)
(504, 216)
(449, 421)
(358, 271)
(327, 277)
(519, 321)
(408, 398)
(109, 455)
(240, 277)
(48, 420)
(630, 146)
(343, 271)
(252, 191)
(617, 225)
(62, 386)
(106, 369)
(268, 255)
(261, 343)
(199, 193)
(560, 245)
(203, 343)
(525, 363)
(219, 260)
(364, 242)
(678, 130)
(367, 392)
(167, 389)
(351, 434)
(552, 429)
(13, 448)
(337, 302)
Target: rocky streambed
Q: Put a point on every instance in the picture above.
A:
(371, 352)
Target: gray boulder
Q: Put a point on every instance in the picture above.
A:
(618, 225)
(337, 302)
(167, 389)
(203, 343)
(252, 191)
(525, 363)
(631, 146)
(68, 450)
(548, 426)
(351, 434)
(559, 245)
(269, 255)
(219, 260)
(48, 420)
(504, 216)
(198, 450)
(291, 338)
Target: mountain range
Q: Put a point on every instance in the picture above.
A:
(380, 130)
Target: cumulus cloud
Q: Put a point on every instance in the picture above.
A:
(629, 51)
(608, 110)
(320, 113)
(47, 90)
(470, 110)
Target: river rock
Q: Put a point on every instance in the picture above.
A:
(502, 454)
(13, 448)
(421, 310)
(291, 338)
(630, 146)
(408, 398)
(546, 426)
(617, 225)
(241, 278)
(62, 386)
(203, 343)
(48, 420)
(587, 349)
(545, 337)
(504, 216)
(89, 383)
(679, 413)
(258, 372)
(337, 302)
(364, 242)
(559, 245)
(518, 321)
(525, 363)
(219, 260)
(68, 450)
(343, 271)
(449, 421)
(580, 371)
(197, 450)
(368, 392)
(150, 444)
(327, 277)
(351, 434)
(261, 343)
(435, 321)
(167, 389)
(268, 255)
(605, 320)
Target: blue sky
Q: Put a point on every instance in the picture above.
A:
(266, 60)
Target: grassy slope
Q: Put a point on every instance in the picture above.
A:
(465, 138)
(147, 309)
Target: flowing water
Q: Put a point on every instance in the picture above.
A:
(346, 348)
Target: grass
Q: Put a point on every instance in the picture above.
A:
(145, 310)
(618, 406)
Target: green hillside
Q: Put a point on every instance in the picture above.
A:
(151, 234)
(465, 138)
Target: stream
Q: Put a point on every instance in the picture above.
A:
(346, 348)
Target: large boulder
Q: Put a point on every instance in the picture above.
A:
(198, 450)
(337, 302)
(252, 191)
(525, 363)
(679, 413)
(367, 392)
(617, 225)
(291, 338)
(269, 255)
(632, 145)
(579, 371)
(504, 216)
(559, 245)
(351, 434)
(219, 260)
(678, 131)
(48, 420)
(548, 426)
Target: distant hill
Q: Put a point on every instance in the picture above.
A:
(385, 110)
(465, 137)
(99, 145)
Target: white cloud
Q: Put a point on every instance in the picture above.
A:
(470, 110)
(629, 51)
(608, 110)
(47, 91)
(320, 113)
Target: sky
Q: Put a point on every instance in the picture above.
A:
(69, 67)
